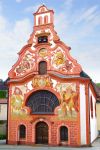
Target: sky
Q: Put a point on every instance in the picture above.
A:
(77, 23)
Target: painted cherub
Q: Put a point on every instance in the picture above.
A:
(59, 58)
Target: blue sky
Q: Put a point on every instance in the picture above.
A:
(76, 21)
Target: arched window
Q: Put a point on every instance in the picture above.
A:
(63, 133)
(42, 102)
(22, 131)
(45, 19)
(91, 107)
(42, 67)
(40, 20)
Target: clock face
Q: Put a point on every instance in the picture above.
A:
(42, 39)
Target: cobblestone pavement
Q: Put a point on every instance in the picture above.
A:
(3, 146)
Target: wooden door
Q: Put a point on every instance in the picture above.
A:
(41, 133)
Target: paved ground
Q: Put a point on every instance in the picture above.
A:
(3, 146)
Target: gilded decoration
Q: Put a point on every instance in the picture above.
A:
(60, 62)
(17, 101)
(59, 58)
(26, 64)
(69, 106)
(41, 81)
(43, 52)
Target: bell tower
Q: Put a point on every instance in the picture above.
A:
(43, 31)
(43, 16)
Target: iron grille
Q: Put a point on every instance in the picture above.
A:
(42, 39)
(42, 102)
(64, 133)
(22, 131)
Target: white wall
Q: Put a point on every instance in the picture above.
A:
(3, 111)
(93, 121)
(83, 114)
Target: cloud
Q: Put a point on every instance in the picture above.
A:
(80, 30)
(68, 3)
(32, 8)
(82, 22)
(18, 1)
(13, 37)
(88, 14)
(0, 6)
(3, 23)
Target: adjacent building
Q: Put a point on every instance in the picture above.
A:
(97, 89)
(51, 99)
(3, 107)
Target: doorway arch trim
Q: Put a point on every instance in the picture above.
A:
(58, 133)
(34, 129)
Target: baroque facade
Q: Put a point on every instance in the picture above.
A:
(51, 100)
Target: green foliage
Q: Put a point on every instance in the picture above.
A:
(98, 84)
(3, 121)
(2, 136)
(3, 94)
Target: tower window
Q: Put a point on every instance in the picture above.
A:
(40, 20)
(42, 68)
(46, 19)
(42, 39)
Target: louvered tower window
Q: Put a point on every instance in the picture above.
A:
(42, 39)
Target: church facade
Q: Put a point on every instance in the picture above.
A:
(51, 100)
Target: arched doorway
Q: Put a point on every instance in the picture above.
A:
(41, 133)
(63, 134)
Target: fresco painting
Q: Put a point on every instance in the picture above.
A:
(26, 64)
(69, 106)
(17, 107)
(40, 81)
(58, 59)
